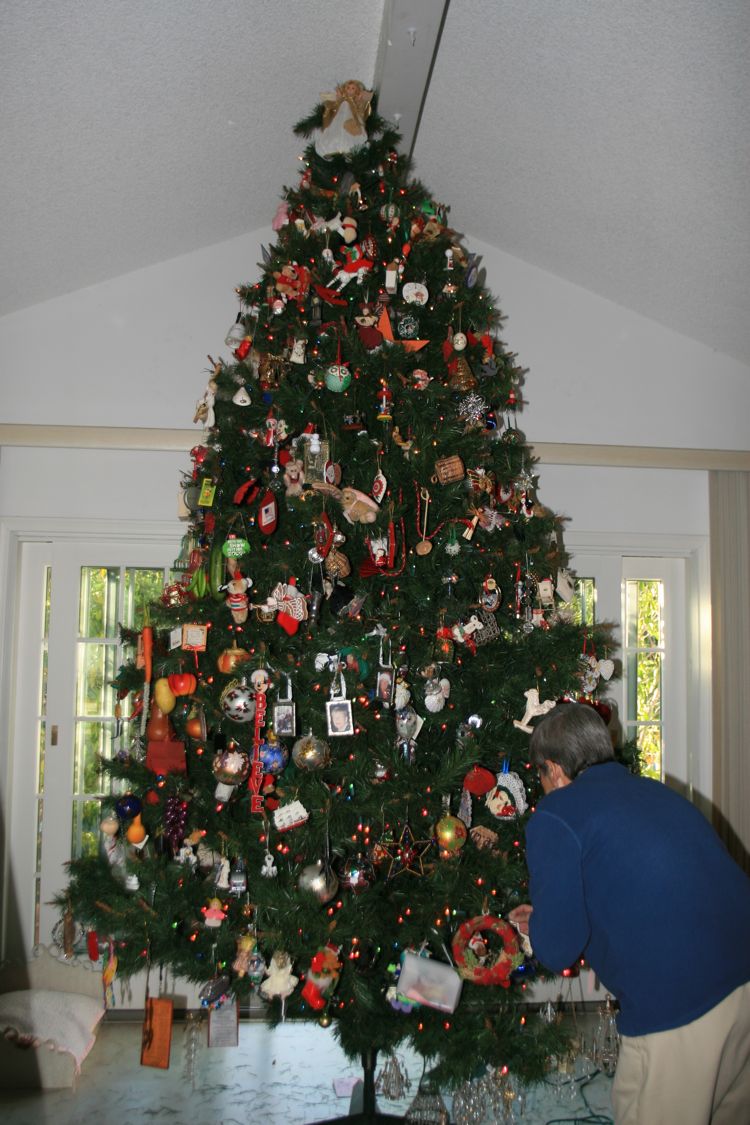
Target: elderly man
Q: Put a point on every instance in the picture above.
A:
(630, 875)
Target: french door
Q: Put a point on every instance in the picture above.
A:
(73, 598)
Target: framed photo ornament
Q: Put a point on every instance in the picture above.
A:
(194, 637)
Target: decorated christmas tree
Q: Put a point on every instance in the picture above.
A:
(323, 789)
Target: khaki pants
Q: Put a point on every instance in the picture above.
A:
(691, 1075)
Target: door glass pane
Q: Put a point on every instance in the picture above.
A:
(97, 665)
(93, 741)
(141, 587)
(643, 661)
(97, 614)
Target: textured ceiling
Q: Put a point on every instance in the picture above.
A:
(606, 141)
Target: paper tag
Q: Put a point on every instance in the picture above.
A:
(175, 637)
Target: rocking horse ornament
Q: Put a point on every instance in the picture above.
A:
(533, 710)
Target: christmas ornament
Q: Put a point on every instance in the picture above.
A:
(289, 816)
(429, 982)
(415, 293)
(534, 708)
(448, 470)
(322, 976)
(272, 754)
(480, 963)
(280, 982)
(268, 513)
(128, 806)
(450, 834)
(241, 397)
(213, 913)
(230, 767)
(337, 377)
(357, 874)
(237, 701)
(285, 713)
(237, 878)
(507, 799)
(215, 992)
(231, 658)
(290, 605)
(237, 600)
(424, 546)
(406, 854)
(311, 753)
(318, 879)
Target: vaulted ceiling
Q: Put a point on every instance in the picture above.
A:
(605, 141)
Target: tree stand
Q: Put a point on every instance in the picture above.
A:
(366, 1115)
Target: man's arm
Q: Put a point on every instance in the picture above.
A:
(559, 926)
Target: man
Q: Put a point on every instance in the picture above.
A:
(630, 875)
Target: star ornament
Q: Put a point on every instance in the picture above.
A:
(406, 854)
(385, 327)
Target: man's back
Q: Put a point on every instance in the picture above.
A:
(631, 875)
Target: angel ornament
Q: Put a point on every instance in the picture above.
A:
(345, 112)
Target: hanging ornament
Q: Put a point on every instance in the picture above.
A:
(339, 709)
(452, 546)
(424, 546)
(298, 350)
(234, 546)
(290, 605)
(448, 470)
(478, 961)
(379, 484)
(406, 854)
(357, 874)
(415, 293)
(237, 600)
(241, 397)
(272, 754)
(269, 870)
(237, 701)
(280, 982)
(318, 879)
(310, 752)
(507, 799)
(285, 713)
(386, 675)
(490, 596)
(534, 709)
(450, 834)
(236, 333)
(322, 976)
(213, 913)
(337, 377)
(472, 409)
(268, 513)
(230, 768)
(408, 327)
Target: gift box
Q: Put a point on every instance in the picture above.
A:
(428, 982)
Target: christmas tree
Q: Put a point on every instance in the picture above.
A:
(326, 779)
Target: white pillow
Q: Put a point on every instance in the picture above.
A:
(62, 1021)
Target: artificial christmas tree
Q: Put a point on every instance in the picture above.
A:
(328, 771)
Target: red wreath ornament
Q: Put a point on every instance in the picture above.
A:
(478, 964)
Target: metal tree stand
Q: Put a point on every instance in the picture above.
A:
(367, 1115)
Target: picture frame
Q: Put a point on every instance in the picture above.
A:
(340, 718)
(194, 637)
(385, 685)
(285, 718)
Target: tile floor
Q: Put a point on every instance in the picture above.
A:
(280, 1077)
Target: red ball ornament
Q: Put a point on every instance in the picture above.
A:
(479, 781)
(152, 797)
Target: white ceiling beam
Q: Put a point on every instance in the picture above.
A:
(409, 41)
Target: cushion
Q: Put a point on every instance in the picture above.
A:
(62, 1021)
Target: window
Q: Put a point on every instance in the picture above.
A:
(643, 658)
(108, 598)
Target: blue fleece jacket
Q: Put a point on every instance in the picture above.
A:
(630, 875)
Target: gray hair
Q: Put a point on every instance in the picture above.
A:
(572, 734)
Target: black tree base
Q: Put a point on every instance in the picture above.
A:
(362, 1106)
